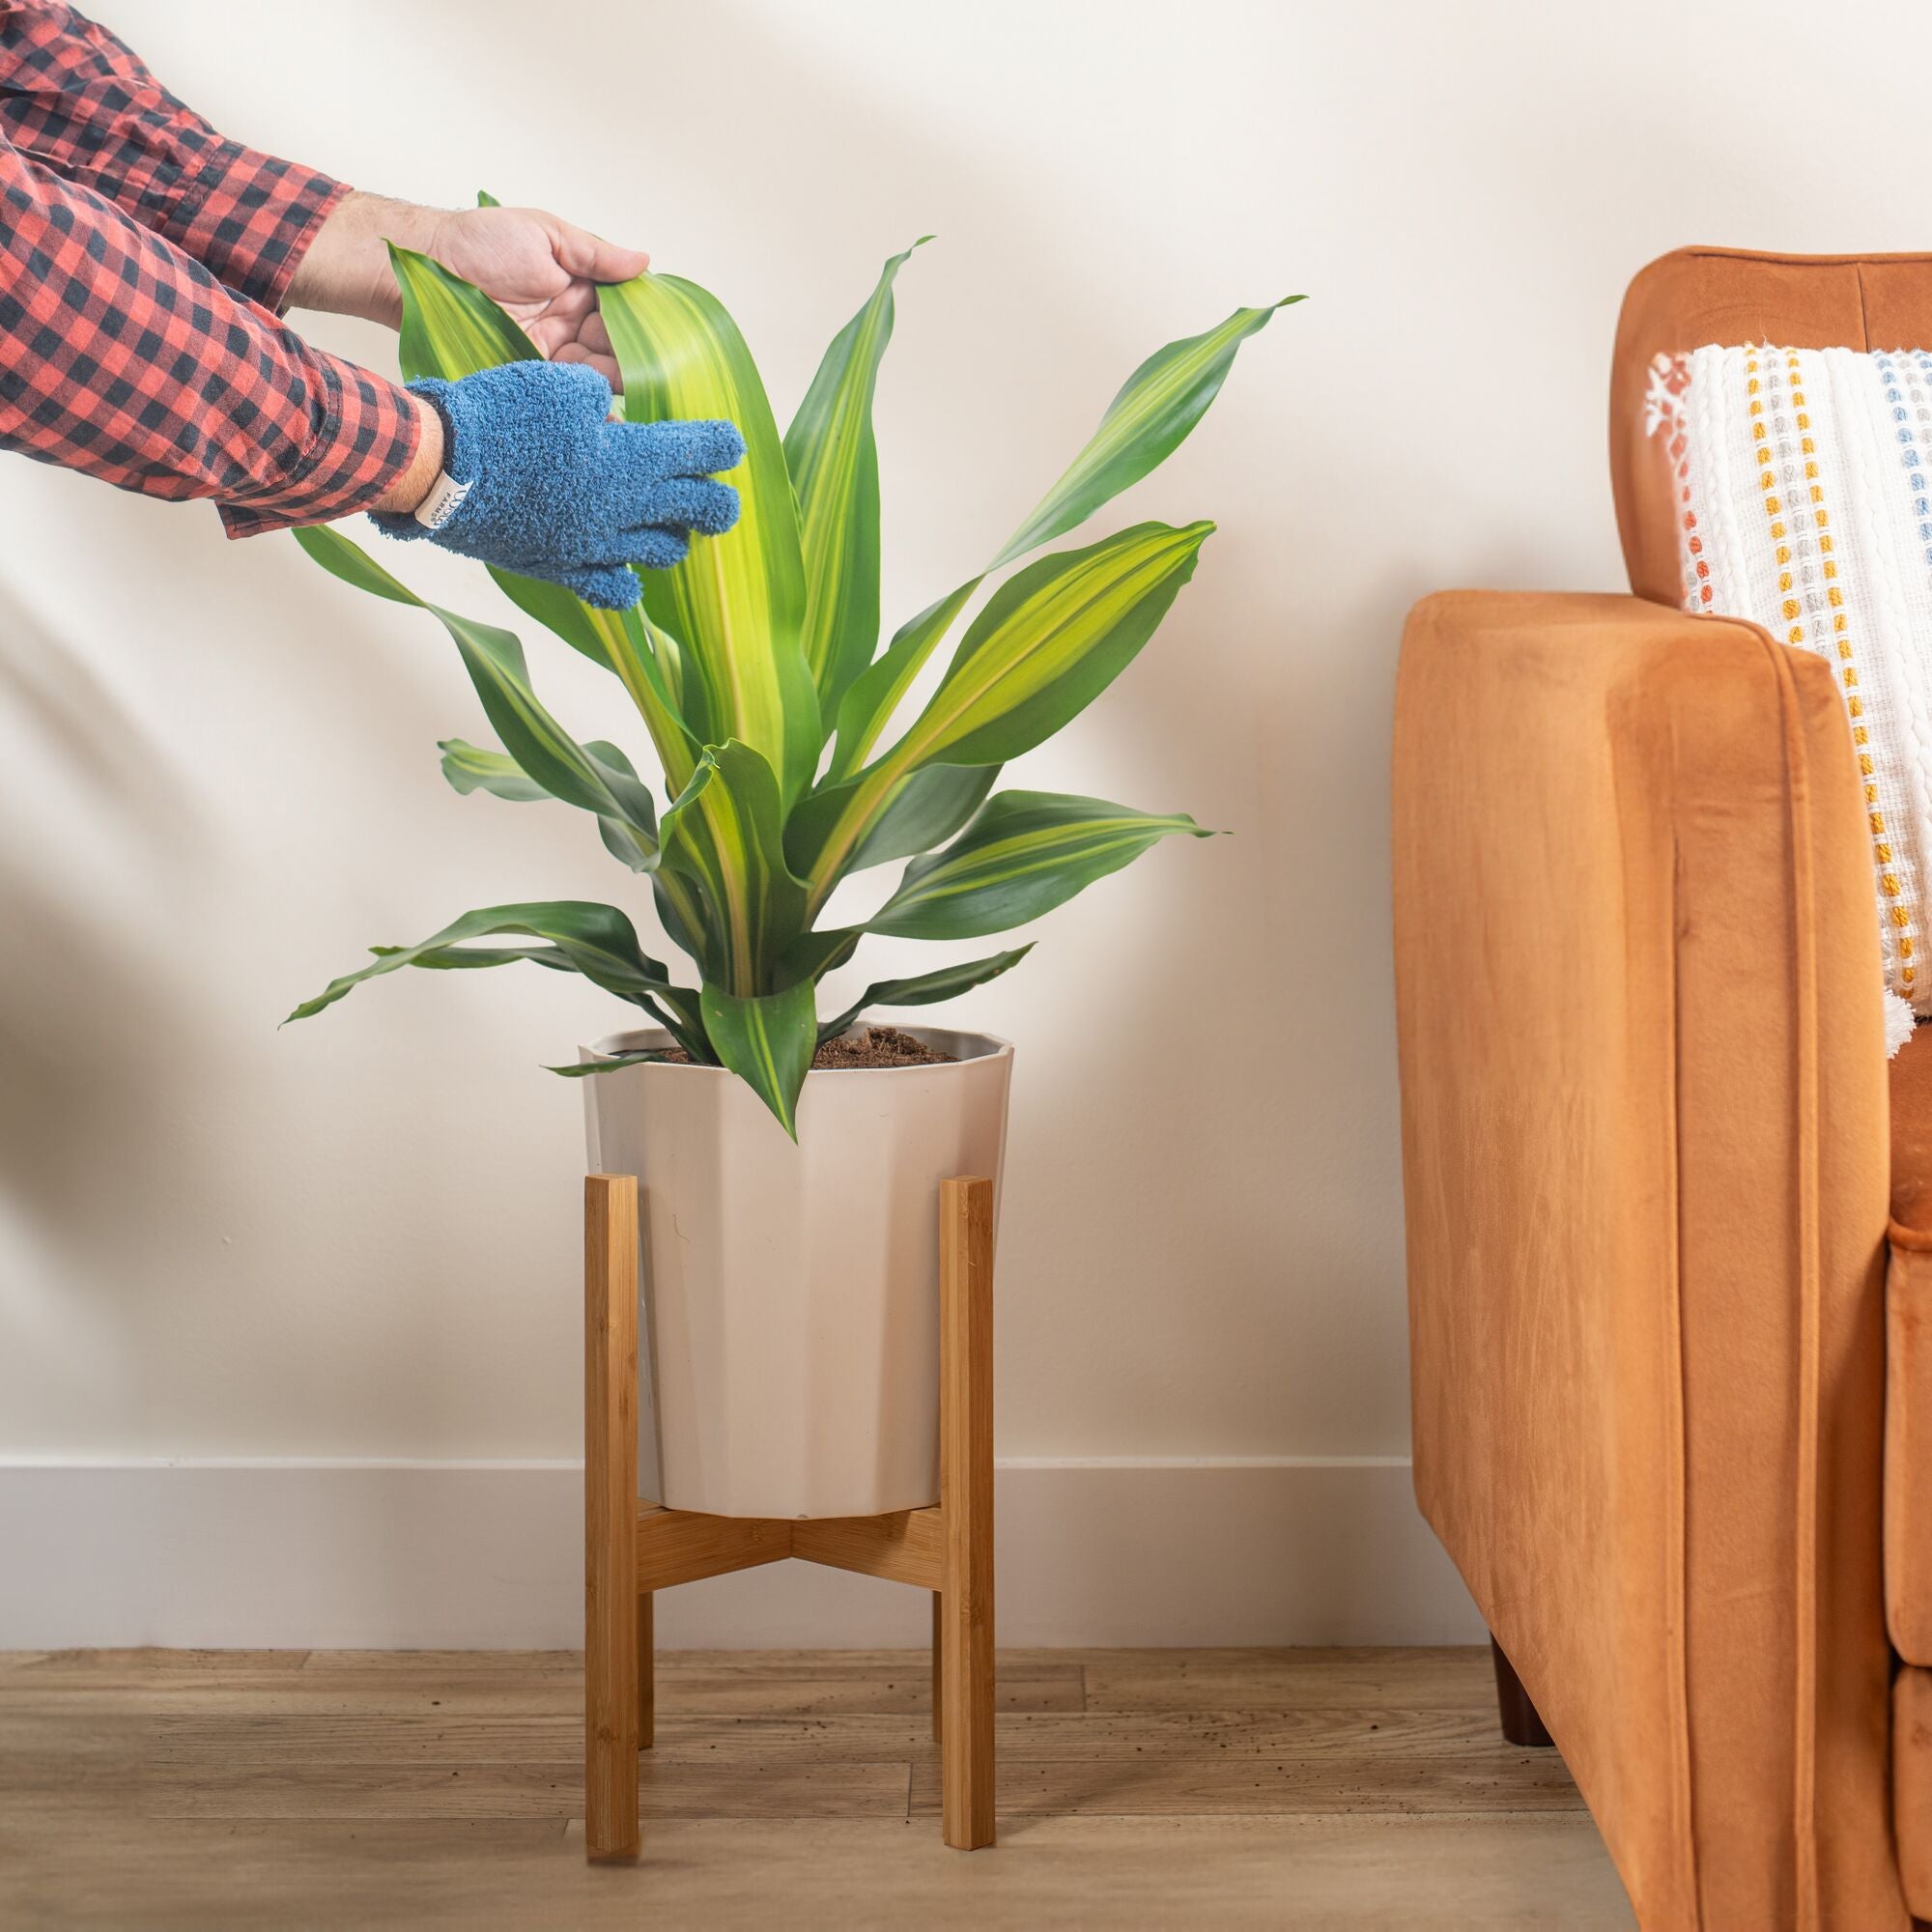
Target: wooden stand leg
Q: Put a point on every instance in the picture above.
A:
(938, 1675)
(647, 1672)
(966, 1503)
(612, 1695)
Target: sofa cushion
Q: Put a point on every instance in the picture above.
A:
(1908, 1399)
(1912, 1786)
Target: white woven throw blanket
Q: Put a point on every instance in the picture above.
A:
(1804, 481)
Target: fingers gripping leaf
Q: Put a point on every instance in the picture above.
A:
(452, 329)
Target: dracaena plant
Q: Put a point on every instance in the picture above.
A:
(755, 669)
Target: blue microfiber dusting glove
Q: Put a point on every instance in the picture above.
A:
(536, 479)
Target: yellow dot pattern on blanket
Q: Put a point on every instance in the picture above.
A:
(1805, 508)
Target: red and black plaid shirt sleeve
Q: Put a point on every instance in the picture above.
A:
(140, 256)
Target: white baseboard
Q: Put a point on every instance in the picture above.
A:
(481, 1555)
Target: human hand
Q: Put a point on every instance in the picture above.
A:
(541, 271)
(544, 484)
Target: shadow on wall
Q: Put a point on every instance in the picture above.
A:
(92, 1061)
(88, 1027)
(106, 1050)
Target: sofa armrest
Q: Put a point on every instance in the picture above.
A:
(1644, 1145)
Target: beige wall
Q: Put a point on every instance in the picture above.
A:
(354, 1237)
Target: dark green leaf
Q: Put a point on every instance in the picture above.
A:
(768, 1041)
(925, 989)
(1026, 853)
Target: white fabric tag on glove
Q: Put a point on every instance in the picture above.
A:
(445, 497)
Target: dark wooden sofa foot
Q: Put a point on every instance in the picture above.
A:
(1520, 1723)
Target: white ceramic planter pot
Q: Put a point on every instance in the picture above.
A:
(791, 1293)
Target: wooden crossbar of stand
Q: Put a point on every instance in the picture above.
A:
(633, 1549)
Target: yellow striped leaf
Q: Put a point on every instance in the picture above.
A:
(1158, 405)
(1048, 643)
(1146, 421)
(866, 708)
(736, 605)
(834, 462)
(451, 328)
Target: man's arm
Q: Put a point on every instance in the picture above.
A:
(122, 358)
(75, 99)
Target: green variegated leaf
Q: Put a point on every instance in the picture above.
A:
(644, 659)
(470, 958)
(834, 462)
(559, 613)
(925, 811)
(470, 768)
(767, 1041)
(1026, 853)
(1158, 405)
(728, 835)
(810, 955)
(600, 942)
(742, 660)
(1048, 643)
(736, 605)
(449, 327)
(927, 988)
(866, 708)
(353, 564)
(541, 748)
(583, 1069)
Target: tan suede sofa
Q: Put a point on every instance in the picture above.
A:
(1669, 1211)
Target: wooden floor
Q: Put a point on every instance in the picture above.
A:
(1136, 1788)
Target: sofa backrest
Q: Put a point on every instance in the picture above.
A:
(1699, 296)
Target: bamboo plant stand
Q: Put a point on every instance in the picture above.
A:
(633, 1549)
